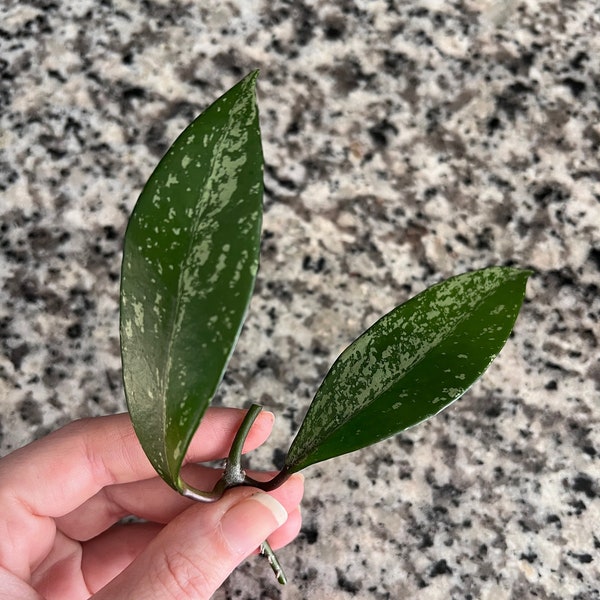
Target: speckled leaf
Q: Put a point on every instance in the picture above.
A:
(189, 265)
(411, 364)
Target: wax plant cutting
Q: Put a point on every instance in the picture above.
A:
(190, 260)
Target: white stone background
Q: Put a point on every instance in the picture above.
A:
(405, 142)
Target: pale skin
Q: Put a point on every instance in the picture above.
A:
(62, 499)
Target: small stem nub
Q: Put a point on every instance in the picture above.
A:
(266, 550)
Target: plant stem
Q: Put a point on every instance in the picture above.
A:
(266, 550)
(272, 484)
(200, 496)
(234, 474)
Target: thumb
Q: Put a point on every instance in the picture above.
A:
(192, 556)
(247, 524)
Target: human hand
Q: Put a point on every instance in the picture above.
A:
(62, 499)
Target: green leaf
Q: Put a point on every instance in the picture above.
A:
(189, 265)
(411, 364)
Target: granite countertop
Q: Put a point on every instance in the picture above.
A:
(405, 142)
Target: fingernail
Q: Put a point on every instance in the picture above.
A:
(270, 414)
(248, 524)
(274, 507)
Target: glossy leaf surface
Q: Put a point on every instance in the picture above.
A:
(410, 364)
(189, 265)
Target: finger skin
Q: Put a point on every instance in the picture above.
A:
(150, 499)
(106, 556)
(98, 463)
(196, 552)
(53, 476)
(105, 451)
(12, 587)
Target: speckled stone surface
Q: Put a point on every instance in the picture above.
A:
(405, 142)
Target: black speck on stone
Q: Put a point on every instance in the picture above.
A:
(381, 132)
(513, 100)
(352, 484)
(155, 139)
(554, 519)
(440, 568)
(590, 450)
(279, 458)
(30, 412)
(493, 124)
(583, 558)
(494, 411)
(527, 525)
(579, 59)
(584, 484)
(74, 331)
(348, 75)
(397, 63)
(345, 584)
(29, 290)
(228, 61)
(268, 361)
(318, 349)
(110, 233)
(405, 443)
(561, 278)
(311, 534)
(304, 23)
(16, 355)
(576, 86)
(594, 256)
(549, 193)
(293, 127)
(531, 557)
(519, 88)
(134, 92)
(334, 28)
(316, 266)
(333, 32)
(578, 505)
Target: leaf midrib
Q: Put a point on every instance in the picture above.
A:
(218, 144)
(165, 380)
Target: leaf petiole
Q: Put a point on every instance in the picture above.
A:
(234, 474)
(272, 484)
(200, 496)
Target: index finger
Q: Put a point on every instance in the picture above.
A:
(56, 474)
